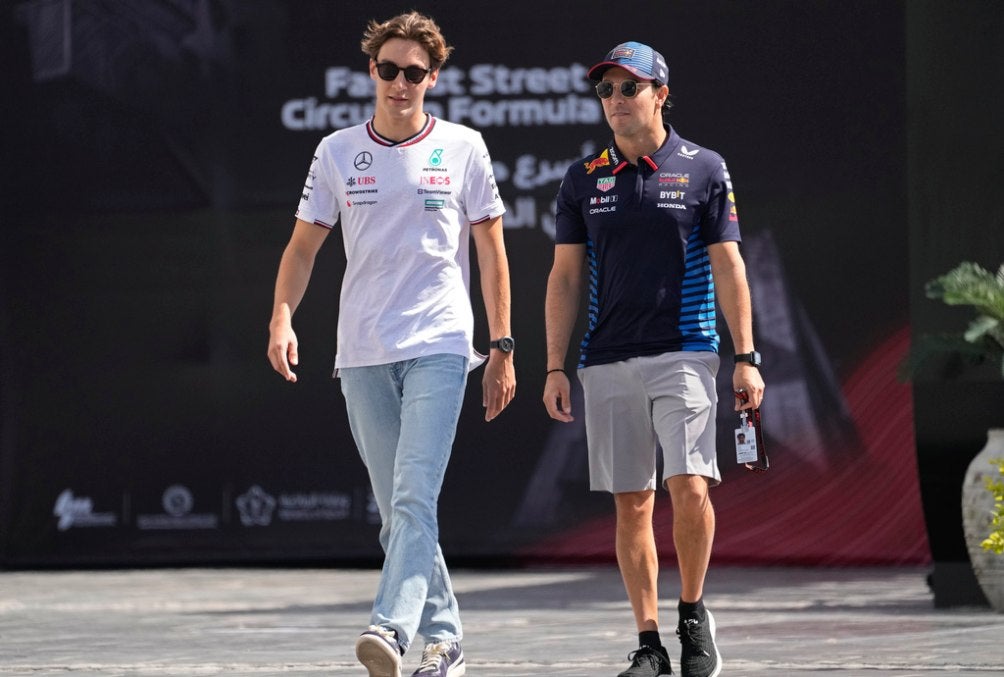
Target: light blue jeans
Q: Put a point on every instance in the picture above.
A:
(403, 418)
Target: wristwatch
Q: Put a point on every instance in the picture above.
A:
(506, 344)
(753, 358)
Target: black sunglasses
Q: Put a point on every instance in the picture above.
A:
(388, 71)
(629, 88)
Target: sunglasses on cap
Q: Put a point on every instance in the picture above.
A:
(388, 71)
(629, 88)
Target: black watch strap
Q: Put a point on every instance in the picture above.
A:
(751, 357)
(506, 344)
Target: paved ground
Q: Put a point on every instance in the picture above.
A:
(555, 622)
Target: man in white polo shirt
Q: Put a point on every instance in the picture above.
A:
(409, 191)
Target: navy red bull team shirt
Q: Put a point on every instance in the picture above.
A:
(647, 228)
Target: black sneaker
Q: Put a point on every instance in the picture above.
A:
(647, 662)
(700, 657)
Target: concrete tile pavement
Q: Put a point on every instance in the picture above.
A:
(561, 621)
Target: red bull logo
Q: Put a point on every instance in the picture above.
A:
(602, 161)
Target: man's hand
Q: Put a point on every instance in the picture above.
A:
(282, 346)
(498, 386)
(747, 379)
(558, 397)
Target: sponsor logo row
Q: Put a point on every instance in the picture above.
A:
(434, 180)
(254, 507)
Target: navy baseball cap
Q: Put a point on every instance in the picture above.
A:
(639, 59)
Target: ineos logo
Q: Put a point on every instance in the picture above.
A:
(363, 161)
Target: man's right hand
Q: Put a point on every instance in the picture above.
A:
(558, 397)
(282, 347)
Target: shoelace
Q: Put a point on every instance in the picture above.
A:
(644, 653)
(689, 633)
(383, 632)
(432, 654)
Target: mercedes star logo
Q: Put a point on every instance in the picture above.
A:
(363, 161)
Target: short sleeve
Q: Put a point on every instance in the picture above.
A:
(569, 226)
(481, 197)
(319, 203)
(721, 220)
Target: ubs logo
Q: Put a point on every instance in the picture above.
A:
(363, 161)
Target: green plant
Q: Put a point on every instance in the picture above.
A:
(968, 284)
(983, 341)
(995, 541)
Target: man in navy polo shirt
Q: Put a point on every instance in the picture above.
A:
(650, 223)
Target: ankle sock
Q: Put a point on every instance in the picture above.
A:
(650, 638)
(692, 609)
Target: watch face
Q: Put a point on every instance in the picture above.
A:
(505, 344)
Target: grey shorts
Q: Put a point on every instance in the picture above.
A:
(634, 406)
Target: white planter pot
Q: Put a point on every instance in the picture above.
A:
(977, 512)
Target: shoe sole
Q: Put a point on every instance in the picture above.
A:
(718, 655)
(378, 657)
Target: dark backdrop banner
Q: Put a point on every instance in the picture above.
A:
(154, 153)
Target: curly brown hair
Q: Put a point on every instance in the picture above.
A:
(409, 26)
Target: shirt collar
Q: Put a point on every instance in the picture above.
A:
(655, 160)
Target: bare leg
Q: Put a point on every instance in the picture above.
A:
(637, 556)
(693, 532)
